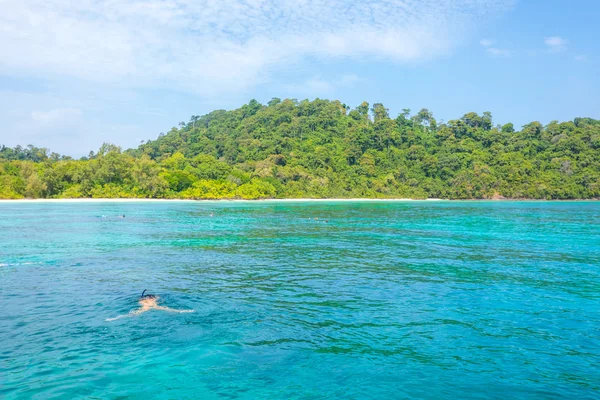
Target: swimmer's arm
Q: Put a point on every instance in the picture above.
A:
(119, 317)
(172, 309)
(130, 314)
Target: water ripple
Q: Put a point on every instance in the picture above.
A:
(385, 300)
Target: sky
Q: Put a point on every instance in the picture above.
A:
(77, 73)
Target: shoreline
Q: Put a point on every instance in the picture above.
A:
(303, 200)
(130, 200)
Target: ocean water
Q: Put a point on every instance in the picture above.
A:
(453, 300)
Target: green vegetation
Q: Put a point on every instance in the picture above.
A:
(321, 149)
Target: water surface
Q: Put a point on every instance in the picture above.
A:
(370, 300)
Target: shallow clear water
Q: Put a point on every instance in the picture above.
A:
(372, 300)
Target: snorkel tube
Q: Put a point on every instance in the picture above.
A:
(147, 296)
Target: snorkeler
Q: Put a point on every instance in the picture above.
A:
(148, 302)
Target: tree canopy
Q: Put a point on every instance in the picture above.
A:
(324, 149)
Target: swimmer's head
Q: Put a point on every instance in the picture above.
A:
(148, 301)
(147, 296)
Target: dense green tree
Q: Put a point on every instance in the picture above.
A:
(380, 113)
(320, 148)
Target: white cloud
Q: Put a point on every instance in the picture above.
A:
(70, 129)
(57, 116)
(47, 128)
(494, 51)
(348, 80)
(212, 47)
(556, 44)
(317, 86)
(498, 52)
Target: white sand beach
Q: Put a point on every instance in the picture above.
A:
(129, 200)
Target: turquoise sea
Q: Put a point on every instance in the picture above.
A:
(372, 300)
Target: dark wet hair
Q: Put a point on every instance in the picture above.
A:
(147, 296)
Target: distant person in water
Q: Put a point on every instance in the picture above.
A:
(148, 302)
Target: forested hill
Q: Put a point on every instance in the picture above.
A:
(319, 149)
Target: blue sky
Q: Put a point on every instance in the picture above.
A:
(76, 73)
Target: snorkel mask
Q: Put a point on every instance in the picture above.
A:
(147, 296)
